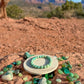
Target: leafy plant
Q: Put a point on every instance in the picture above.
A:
(14, 11)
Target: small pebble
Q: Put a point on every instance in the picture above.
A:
(58, 80)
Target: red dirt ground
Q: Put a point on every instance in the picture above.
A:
(43, 36)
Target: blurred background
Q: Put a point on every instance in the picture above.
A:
(45, 8)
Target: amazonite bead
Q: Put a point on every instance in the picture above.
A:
(60, 71)
(20, 75)
(77, 82)
(71, 75)
(28, 82)
(25, 78)
(18, 62)
(5, 69)
(58, 80)
(1, 72)
(76, 75)
(10, 66)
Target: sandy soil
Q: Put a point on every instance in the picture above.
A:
(43, 36)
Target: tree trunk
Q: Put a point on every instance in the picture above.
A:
(3, 5)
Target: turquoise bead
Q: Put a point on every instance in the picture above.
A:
(14, 63)
(27, 55)
(66, 71)
(5, 69)
(64, 58)
(77, 82)
(10, 66)
(18, 62)
(1, 72)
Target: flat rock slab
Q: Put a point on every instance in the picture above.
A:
(41, 61)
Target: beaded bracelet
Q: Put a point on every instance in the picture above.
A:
(40, 67)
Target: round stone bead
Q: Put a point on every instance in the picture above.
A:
(66, 71)
(64, 65)
(58, 80)
(77, 82)
(28, 82)
(25, 78)
(71, 75)
(5, 69)
(14, 63)
(1, 72)
(18, 62)
(20, 75)
(10, 66)
(17, 71)
(76, 75)
(60, 71)
(49, 82)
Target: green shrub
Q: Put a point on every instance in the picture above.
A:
(14, 11)
(67, 10)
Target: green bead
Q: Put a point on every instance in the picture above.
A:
(46, 76)
(49, 82)
(71, 75)
(76, 75)
(58, 80)
(64, 65)
(25, 78)
(60, 59)
(14, 63)
(66, 71)
(20, 75)
(5, 69)
(35, 79)
(51, 76)
(80, 65)
(64, 58)
(18, 62)
(77, 82)
(1, 72)
(60, 71)
(71, 79)
(10, 66)
(28, 82)
(27, 55)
